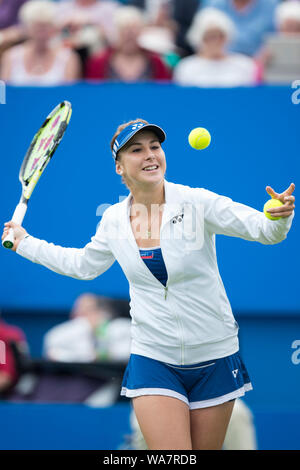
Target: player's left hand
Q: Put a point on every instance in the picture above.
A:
(286, 198)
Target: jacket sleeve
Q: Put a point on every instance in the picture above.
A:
(80, 263)
(224, 216)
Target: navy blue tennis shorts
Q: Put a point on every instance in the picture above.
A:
(199, 385)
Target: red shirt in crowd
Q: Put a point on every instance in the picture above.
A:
(8, 334)
(98, 67)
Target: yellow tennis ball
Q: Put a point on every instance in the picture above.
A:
(270, 204)
(199, 138)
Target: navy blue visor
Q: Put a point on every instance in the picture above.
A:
(131, 130)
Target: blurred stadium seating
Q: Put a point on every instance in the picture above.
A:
(255, 143)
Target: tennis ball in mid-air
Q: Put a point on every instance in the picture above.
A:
(269, 205)
(199, 138)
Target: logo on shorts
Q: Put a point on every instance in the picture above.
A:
(235, 373)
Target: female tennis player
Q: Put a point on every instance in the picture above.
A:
(185, 370)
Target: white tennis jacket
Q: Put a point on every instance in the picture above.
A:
(190, 320)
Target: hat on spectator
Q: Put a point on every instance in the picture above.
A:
(206, 19)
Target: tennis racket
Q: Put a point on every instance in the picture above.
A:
(40, 151)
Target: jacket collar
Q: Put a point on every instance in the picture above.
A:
(173, 205)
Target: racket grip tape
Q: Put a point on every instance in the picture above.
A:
(17, 218)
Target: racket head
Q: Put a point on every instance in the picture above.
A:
(43, 146)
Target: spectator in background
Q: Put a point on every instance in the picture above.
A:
(159, 34)
(241, 432)
(126, 60)
(174, 15)
(252, 18)
(8, 368)
(10, 31)
(280, 54)
(40, 60)
(212, 65)
(91, 334)
(287, 18)
(87, 25)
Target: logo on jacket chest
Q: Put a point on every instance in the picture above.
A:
(188, 226)
(177, 218)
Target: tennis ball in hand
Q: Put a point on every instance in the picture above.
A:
(199, 138)
(269, 205)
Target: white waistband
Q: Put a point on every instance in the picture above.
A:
(190, 354)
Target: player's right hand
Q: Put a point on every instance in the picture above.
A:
(19, 233)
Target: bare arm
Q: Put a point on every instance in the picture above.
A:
(12, 35)
(73, 70)
(5, 69)
(5, 381)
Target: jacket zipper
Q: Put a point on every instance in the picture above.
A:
(165, 297)
(166, 292)
(179, 326)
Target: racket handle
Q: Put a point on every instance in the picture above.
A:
(17, 218)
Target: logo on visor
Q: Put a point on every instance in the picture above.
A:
(137, 126)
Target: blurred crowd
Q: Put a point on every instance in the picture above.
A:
(83, 361)
(96, 333)
(205, 43)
